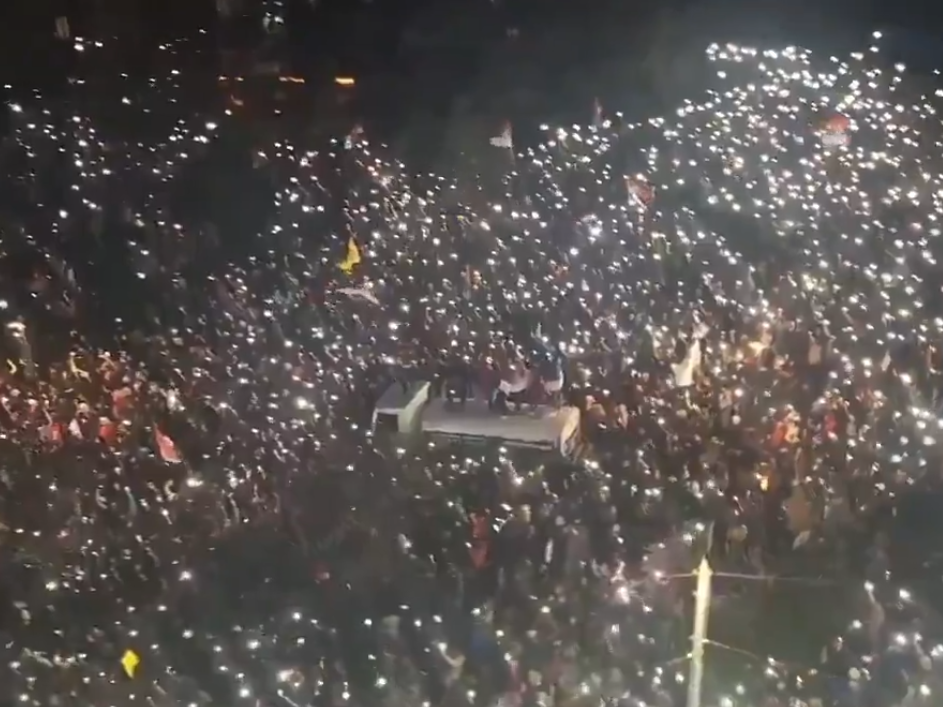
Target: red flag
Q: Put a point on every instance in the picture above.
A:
(640, 191)
(779, 434)
(52, 432)
(354, 137)
(479, 554)
(480, 527)
(167, 448)
(121, 401)
(107, 431)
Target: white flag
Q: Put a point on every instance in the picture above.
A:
(504, 140)
(62, 27)
(360, 293)
(75, 429)
(684, 371)
(354, 137)
(801, 539)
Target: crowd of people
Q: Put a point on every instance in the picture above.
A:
(197, 511)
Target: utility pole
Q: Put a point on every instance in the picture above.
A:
(702, 610)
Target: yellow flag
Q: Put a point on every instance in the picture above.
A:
(352, 259)
(130, 662)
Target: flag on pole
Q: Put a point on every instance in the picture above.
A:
(354, 137)
(684, 372)
(75, 429)
(361, 293)
(130, 662)
(166, 448)
(597, 114)
(107, 431)
(505, 139)
(479, 554)
(353, 257)
(52, 431)
(62, 27)
(640, 192)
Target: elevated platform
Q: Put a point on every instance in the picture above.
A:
(538, 426)
(400, 406)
